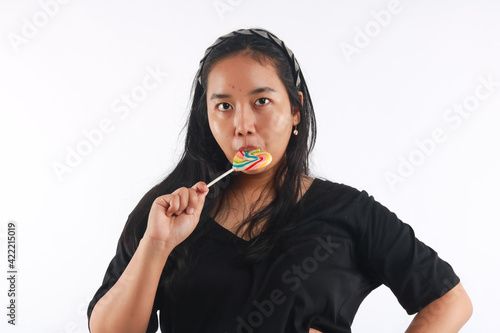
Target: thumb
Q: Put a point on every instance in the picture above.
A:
(202, 191)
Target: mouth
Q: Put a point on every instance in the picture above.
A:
(247, 148)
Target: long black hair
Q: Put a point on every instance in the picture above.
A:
(203, 159)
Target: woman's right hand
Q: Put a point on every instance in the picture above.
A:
(174, 216)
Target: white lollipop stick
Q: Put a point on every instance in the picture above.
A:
(220, 177)
(244, 160)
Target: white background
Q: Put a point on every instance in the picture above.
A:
(65, 75)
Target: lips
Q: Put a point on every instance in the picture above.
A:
(247, 148)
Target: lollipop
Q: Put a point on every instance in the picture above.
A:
(247, 160)
(251, 160)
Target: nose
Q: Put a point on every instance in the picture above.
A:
(244, 121)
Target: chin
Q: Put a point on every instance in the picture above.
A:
(252, 172)
(257, 171)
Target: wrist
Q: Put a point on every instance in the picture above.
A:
(156, 247)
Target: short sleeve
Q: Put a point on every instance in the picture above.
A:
(395, 257)
(113, 273)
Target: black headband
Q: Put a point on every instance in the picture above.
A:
(261, 33)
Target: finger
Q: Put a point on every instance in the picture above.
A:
(174, 204)
(184, 200)
(192, 202)
(202, 191)
(160, 207)
(201, 188)
(163, 201)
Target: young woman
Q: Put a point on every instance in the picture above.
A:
(268, 250)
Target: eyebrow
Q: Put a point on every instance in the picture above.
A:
(253, 92)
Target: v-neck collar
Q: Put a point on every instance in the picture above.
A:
(223, 234)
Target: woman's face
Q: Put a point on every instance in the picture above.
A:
(248, 108)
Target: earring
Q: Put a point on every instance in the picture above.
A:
(295, 131)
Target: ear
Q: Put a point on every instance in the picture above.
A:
(296, 111)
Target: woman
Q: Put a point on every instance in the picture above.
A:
(268, 250)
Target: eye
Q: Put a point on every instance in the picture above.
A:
(224, 106)
(262, 101)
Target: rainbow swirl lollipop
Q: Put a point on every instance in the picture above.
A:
(251, 160)
(245, 161)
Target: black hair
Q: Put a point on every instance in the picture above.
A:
(203, 159)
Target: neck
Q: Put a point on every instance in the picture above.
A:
(249, 183)
(244, 191)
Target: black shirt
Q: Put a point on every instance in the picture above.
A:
(345, 245)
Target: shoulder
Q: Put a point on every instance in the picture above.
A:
(329, 202)
(325, 190)
(347, 204)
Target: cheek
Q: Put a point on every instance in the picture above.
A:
(218, 130)
(278, 125)
(281, 122)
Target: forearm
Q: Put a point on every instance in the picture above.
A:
(445, 315)
(127, 306)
